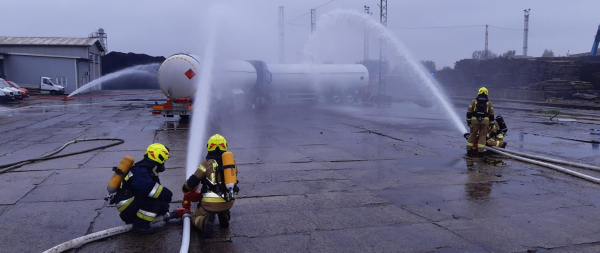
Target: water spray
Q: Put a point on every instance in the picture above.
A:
(140, 70)
(333, 18)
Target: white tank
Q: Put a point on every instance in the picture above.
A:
(179, 75)
(316, 77)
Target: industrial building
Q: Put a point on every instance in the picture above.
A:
(70, 62)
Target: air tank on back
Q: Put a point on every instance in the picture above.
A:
(179, 75)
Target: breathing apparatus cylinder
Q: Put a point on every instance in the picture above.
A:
(120, 172)
(229, 171)
(502, 124)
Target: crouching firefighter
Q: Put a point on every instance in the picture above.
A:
(496, 133)
(480, 115)
(140, 197)
(218, 176)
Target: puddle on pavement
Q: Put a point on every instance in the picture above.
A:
(176, 125)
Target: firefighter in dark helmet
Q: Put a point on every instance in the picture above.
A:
(480, 116)
(141, 198)
(216, 199)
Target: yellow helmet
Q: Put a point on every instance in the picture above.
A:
(216, 141)
(482, 90)
(158, 153)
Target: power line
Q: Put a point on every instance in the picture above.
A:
(309, 11)
(499, 27)
(447, 27)
(296, 24)
(433, 27)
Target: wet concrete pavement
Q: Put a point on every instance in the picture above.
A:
(318, 179)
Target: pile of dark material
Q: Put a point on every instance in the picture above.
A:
(559, 73)
(115, 61)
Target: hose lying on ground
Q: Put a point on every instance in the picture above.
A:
(552, 160)
(51, 155)
(185, 239)
(80, 241)
(548, 165)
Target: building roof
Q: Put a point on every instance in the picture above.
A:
(49, 41)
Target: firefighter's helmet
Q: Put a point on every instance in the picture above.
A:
(158, 153)
(482, 90)
(216, 141)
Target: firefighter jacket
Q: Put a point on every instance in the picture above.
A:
(494, 132)
(480, 109)
(141, 182)
(208, 176)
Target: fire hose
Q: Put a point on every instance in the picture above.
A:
(521, 157)
(52, 154)
(78, 242)
(181, 212)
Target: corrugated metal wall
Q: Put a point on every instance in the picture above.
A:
(29, 69)
(71, 51)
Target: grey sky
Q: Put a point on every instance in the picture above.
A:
(249, 28)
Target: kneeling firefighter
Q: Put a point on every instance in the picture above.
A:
(480, 115)
(496, 133)
(218, 176)
(139, 196)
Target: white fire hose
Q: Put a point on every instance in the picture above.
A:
(548, 165)
(552, 160)
(185, 238)
(80, 241)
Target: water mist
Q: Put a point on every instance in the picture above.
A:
(330, 20)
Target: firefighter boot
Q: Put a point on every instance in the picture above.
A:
(142, 227)
(207, 229)
(224, 219)
(504, 144)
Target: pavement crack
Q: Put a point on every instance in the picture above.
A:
(375, 132)
(35, 186)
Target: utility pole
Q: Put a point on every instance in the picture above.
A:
(486, 52)
(383, 20)
(526, 31)
(366, 54)
(281, 58)
(313, 20)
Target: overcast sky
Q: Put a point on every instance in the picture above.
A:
(248, 28)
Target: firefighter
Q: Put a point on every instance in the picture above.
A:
(480, 115)
(210, 175)
(495, 138)
(141, 197)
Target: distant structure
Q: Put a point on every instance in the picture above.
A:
(486, 51)
(383, 20)
(526, 31)
(594, 51)
(70, 62)
(366, 49)
(101, 35)
(313, 20)
(281, 58)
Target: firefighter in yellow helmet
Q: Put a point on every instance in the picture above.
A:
(141, 198)
(480, 115)
(210, 175)
(496, 133)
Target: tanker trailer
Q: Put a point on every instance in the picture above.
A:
(240, 84)
(179, 75)
(337, 83)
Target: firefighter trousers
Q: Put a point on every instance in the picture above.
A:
(141, 210)
(205, 210)
(478, 128)
(495, 142)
